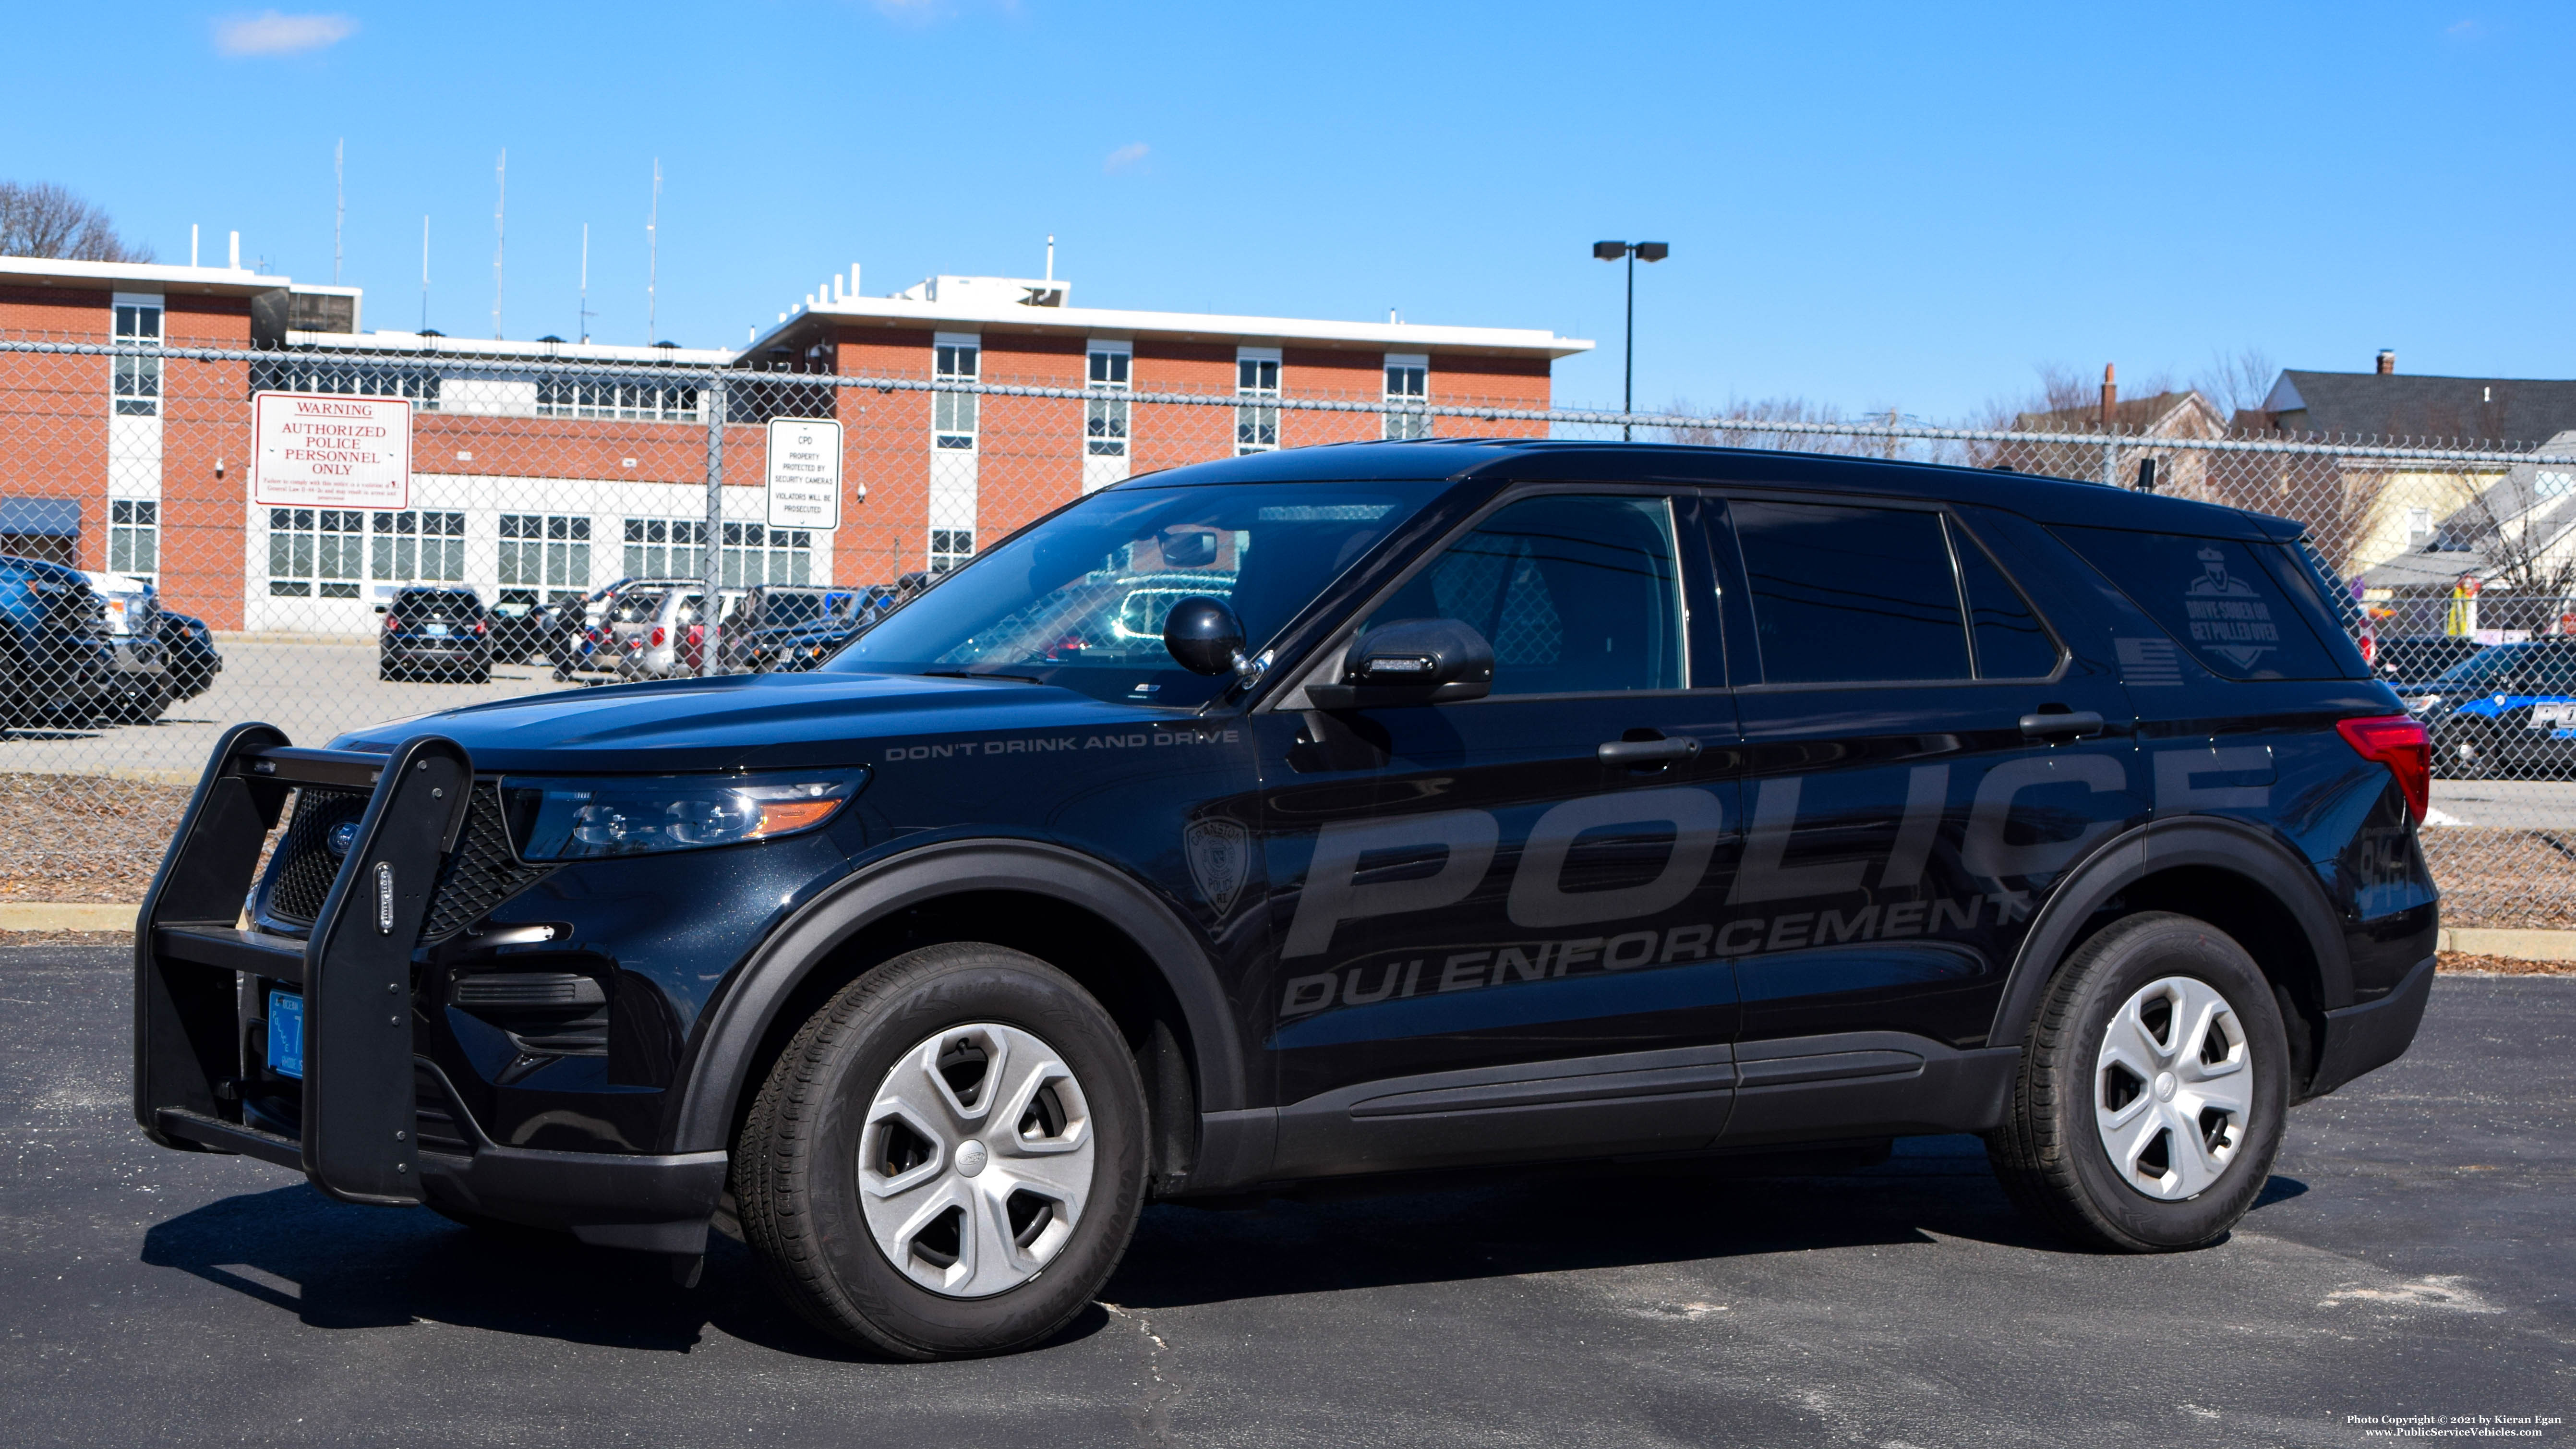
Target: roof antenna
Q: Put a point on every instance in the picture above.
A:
(653, 255)
(1050, 275)
(500, 233)
(339, 204)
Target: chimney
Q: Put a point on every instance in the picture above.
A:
(2110, 397)
(2387, 361)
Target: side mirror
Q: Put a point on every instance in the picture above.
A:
(1412, 661)
(1204, 635)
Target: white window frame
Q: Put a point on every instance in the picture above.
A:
(955, 357)
(137, 318)
(755, 553)
(950, 547)
(323, 552)
(681, 546)
(1407, 395)
(1108, 364)
(542, 557)
(1257, 374)
(134, 537)
(417, 546)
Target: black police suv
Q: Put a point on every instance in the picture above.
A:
(439, 632)
(1343, 811)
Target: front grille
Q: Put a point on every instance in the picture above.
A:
(482, 873)
(479, 875)
(305, 865)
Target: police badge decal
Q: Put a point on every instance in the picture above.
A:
(1220, 856)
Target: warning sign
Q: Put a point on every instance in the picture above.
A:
(330, 451)
(804, 473)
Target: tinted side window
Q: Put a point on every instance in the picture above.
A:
(1578, 595)
(1851, 595)
(2011, 642)
(2214, 596)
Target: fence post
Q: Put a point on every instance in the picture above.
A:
(710, 660)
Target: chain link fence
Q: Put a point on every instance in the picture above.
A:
(569, 523)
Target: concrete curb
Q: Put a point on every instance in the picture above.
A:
(65, 916)
(2512, 945)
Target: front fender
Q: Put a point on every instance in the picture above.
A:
(742, 1016)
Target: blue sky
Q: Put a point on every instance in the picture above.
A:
(1870, 206)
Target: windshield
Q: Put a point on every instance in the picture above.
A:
(779, 609)
(1079, 600)
(2484, 668)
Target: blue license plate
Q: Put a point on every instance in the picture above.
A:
(286, 1034)
(435, 631)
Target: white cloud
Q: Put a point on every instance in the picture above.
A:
(1125, 156)
(269, 33)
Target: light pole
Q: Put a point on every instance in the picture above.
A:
(1635, 252)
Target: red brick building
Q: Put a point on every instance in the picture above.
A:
(530, 483)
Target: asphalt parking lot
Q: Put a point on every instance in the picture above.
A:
(2413, 1255)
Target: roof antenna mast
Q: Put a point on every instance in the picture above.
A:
(424, 272)
(500, 233)
(339, 203)
(653, 257)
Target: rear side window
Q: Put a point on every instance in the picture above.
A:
(2011, 642)
(2218, 597)
(1845, 595)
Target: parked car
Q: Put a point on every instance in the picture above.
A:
(188, 649)
(142, 689)
(518, 631)
(439, 631)
(2415, 659)
(2504, 713)
(569, 623)
(611, 616)
(661, 645)
(1486, 803)
(767, 613)
(67, 661)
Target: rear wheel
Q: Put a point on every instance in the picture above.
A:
(2152, 1089)
(949, 1158)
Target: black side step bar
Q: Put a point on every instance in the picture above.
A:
(359, 1126)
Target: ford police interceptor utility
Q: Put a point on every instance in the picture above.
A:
(1351, 810)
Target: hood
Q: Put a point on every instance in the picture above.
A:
(738, 722)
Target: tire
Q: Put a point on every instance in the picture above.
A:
(855, 1091)
(2054, 1153)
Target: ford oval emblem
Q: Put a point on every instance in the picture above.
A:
(343, 835)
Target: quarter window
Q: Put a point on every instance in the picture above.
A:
(1576, 594)
(952, 414)
(1851, 595)
(2220, 598)
(138, 379)
(1408, 396)
(1256, 422)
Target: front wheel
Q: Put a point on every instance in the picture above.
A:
(2152, 1089)
(949, 1158)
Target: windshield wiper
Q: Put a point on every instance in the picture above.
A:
(980, 674)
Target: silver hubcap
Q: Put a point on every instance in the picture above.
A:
(976, 1160)
(2174, 1087)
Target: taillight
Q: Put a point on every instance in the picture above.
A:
(658, 636)
(2370, 651)
(392, 623)
(2400, 743)
(697, 633)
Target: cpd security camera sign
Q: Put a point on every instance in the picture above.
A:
(324, 450)
(804, 473)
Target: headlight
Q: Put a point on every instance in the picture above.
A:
(2420, 703)
(589, 818)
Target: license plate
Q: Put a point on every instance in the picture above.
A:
(435, 631)
(286, 1034)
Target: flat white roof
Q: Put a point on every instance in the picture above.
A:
(504, 349)
(1179, 326)
(138, 276)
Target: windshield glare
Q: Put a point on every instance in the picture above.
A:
(1079, 600)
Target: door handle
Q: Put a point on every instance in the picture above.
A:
(1635, 753)
(2082, 722)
